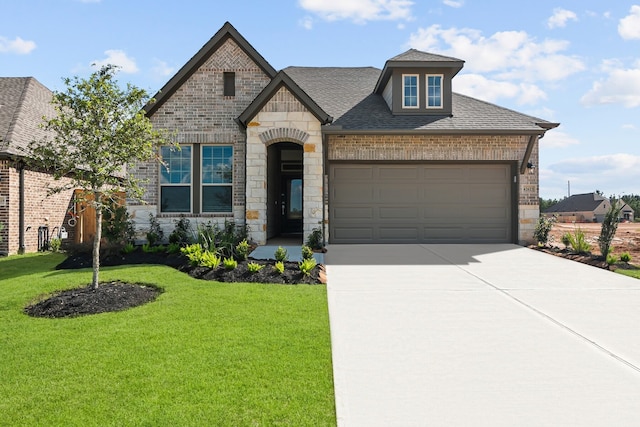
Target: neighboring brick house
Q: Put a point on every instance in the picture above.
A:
(367, 155)
(24, 202)
(588, 207)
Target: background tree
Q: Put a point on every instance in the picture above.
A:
(547, 203)
(99, 128)
(633, 200)
(609, 226)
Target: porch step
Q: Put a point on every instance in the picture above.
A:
(295, 253)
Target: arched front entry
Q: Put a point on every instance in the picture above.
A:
(285, 190)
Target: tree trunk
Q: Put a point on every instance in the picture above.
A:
(96, 240)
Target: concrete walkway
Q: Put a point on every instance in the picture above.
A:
(481, 335)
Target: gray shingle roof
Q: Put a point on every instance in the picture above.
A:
(23, 103)
(347, 95)
(417, 55)
(577, 203)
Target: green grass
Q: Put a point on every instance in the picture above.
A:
(635, 273)
(202, 354)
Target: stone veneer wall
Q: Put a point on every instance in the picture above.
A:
(281, 119)
(491, 148)
(40, 208)
(198, 113)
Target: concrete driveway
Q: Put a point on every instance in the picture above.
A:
(481, 335)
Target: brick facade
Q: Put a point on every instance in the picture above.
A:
(199, 113)
(458, 148)
(40, 208)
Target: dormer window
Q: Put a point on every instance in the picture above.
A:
(434, 91)
(410, 91)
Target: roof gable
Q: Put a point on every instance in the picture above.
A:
(587, 202)
(283, 80)
(227, 31)
(23, 103)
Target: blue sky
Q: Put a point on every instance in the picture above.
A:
(576, 62)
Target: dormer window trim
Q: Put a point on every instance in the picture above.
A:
(414, 93)
(434, 91)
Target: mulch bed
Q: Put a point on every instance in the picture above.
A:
(118, 296)
(108, 297)
(587, 258)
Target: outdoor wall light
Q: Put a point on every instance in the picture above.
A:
(531, 167)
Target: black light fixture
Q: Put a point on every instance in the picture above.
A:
(531, 167)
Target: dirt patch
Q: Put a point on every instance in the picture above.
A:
(109, 296)
(627, 238)
(290, 276)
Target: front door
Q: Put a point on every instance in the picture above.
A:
(291, 204)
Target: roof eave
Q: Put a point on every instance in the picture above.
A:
(338, 130)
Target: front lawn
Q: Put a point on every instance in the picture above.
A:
(203, 353)
(632, 272)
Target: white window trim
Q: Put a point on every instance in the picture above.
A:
(160, 185)
(202, 184)
(411, 107)
(426, 83)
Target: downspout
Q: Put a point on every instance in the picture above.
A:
(325, 189)
(527, 153)
(21, 237)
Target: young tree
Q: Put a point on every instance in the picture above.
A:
(609, 226)
(99, 129)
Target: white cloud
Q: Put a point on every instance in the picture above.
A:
(512, 54)
(629, 126)
(557, 138)
(118, 58)
(621, 86)
(161, 69)
(306, 23)
(453, 3)
(359, 11)
(629, 26)
(17, 45)
(478, 86)
(560, 17)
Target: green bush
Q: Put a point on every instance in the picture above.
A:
(128, 248)
(117, 226)
(625, 257)
(209, 259)
(578, 242)
(611, 259)
(193, 253)
(254, 267)
(242, 250)
(155, 233)
(566, 239)
(223, 240)
(147, 248)
(307, 252)
(230, 264)
(307, 265)
(609, 225)
(314, 241)
(173, 248)
(281, 254)
(543, 227)
(279, 267)
(182, 234)
(55, 244)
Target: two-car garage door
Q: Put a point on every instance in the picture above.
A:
(420, 203)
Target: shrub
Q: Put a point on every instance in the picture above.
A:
(254, 267)
(611, 259)
(147, 248)
(55, 244)
(209, 259)
(242, 250)
(193, 253)
(117, 226)
(128, 248)
(173, 248)
(230, 264)
(307, 252)
(155, 233)
(625, 257)
(279, 267)
(609, 226)
(182, 234)
(307, 265)
(566, 239)
(314, 241)
(206, 235)
(543, 227)
(281, 254)
(578, 242)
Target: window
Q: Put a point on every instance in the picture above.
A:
(217, 178)
(410, 91)
(229, 84)
(175, 179)
(434, 91)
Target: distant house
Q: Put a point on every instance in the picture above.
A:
(588, 207)
(26, 211)
(368, 155)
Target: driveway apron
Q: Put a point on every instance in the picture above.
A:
(480, 335)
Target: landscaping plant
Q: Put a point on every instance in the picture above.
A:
(625, 257)
(307, 252)
(314, 241)
(182, 233)
(609, 226)
(209, 259)
(55, 244)
(242, 250)
(128, 248)
(578, 242)
(307, 265)
(279, 267)
(254, 267)
(155, 233)
(543, 227)
(281, 254)
(99, 127)
(230, 264)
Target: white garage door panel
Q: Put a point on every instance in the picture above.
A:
(389, 203)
